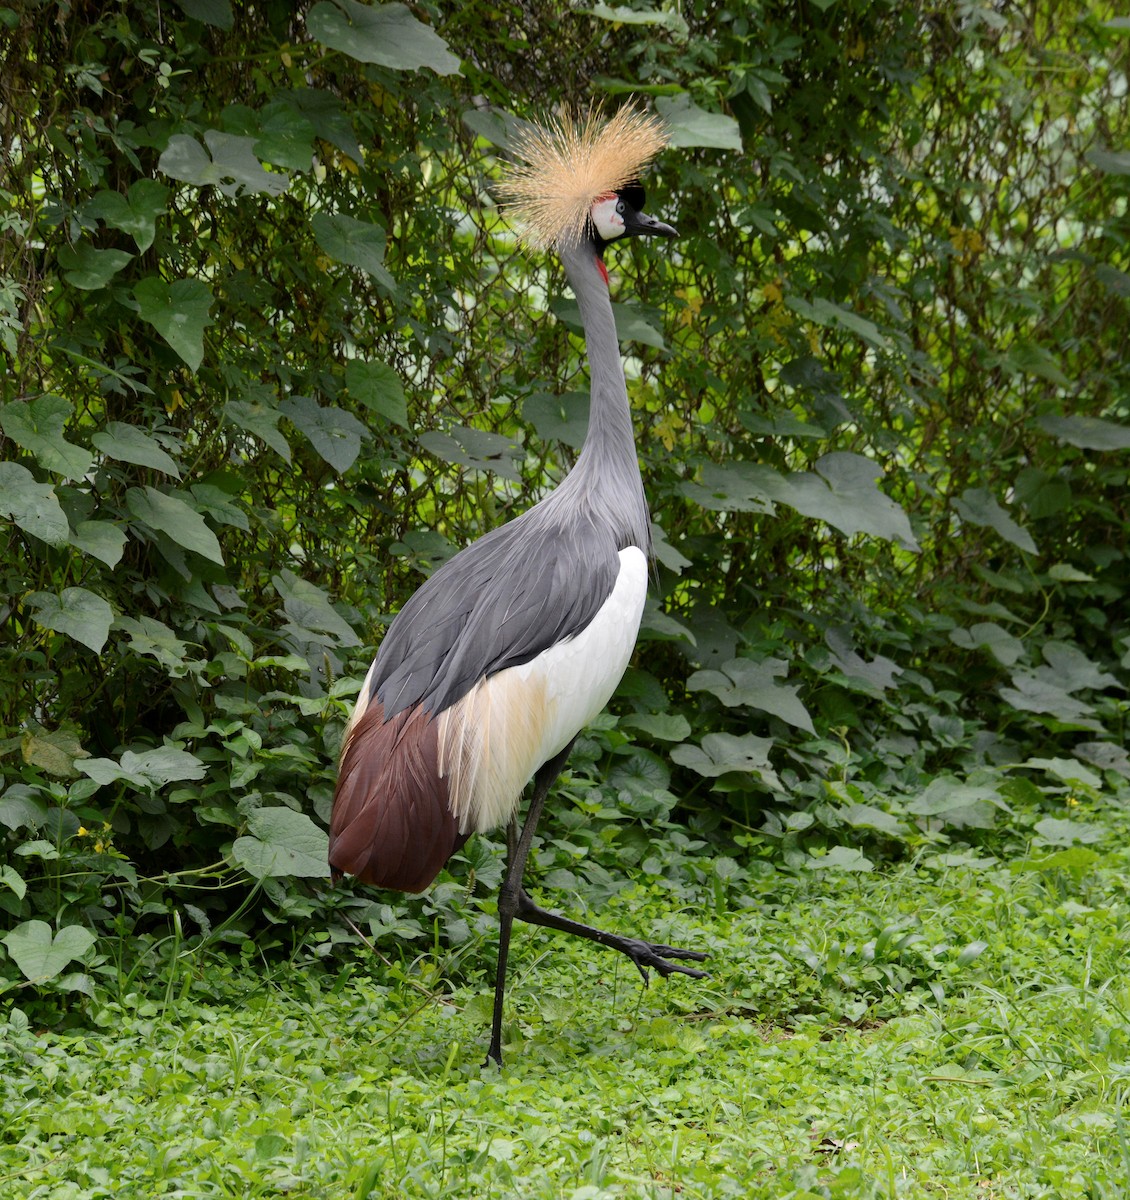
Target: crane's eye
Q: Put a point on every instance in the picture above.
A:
(621, 207)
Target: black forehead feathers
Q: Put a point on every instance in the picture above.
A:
(634, 194)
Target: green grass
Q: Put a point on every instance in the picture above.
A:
(927, 1030)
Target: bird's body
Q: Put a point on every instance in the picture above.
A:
(495, 664)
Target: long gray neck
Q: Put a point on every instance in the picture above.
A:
(608, 466)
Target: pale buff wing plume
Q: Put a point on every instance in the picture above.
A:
(564, 165)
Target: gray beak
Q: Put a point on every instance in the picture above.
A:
(638, 224)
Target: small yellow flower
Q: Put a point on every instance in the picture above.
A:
(83, 831)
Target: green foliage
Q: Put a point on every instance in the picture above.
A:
(955, 1028)
(268, 354)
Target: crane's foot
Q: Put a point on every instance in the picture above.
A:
(648, 956)
(653, 956)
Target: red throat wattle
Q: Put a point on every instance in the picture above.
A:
(602, 269)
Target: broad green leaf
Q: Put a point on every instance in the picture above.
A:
(379, 388)
(1072, 669)
(1106, 756)
(631, 325)
(694, 126)
(724, 752)
(664, 727)
(163, 765)
(1040, 692)
(32, 506)
(1054, 831)
(1076, 860)
(475, 449)
(385, 34)
(842, 493)
(734, 487)
(355, 243)
(979, 507)
(55, 751)
(970, 952)
(148, 770)
(1088, 433)
(309, 608)
(875, 676)
(127, 443)
(229, 163)
(1070, 770)
(657, 625)
(179, 313)
(867, 816)
(782, 424)
(209, 12)
(1005, 648)
(563, 418)
(21, 808)
(622, 14)
(641, 773)
(134, 213)
(1024, 357)
(956, 803)
(333, 432)
(78, 613)
(13, 881)
(666, 553)
(173, 516)
(840, 858)
(828, 314)
(326, 114)
(497, 126)
(87, 268)
(39, 956)
(261, 421)
(283, 843)
(154, 638)
(100, 539)
(38, 427)
(741, 681)
(1066, 573)
(221, 503)
(285, 137)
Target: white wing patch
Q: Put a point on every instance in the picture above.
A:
(493, 740)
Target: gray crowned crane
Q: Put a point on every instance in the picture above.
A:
(492, 668)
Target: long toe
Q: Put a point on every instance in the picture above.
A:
(656, 957)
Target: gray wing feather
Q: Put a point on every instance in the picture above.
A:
(500, 602)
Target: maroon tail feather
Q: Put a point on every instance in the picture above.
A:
(391, 824)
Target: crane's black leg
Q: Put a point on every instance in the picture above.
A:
(510, 897)
(513, 902)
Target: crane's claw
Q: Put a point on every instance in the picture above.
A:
(654, 956)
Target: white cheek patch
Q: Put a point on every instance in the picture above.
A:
(606, 220)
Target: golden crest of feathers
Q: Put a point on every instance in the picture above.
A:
(563, 166)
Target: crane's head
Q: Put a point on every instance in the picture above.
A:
(577, 180)
(620, 214)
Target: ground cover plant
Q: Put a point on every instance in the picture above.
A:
(927, 1030)
(269, 352)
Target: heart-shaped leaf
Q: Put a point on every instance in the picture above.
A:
(39, 956)
(385, 34)
(282, 842)
(78, 613)
(179, 313)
